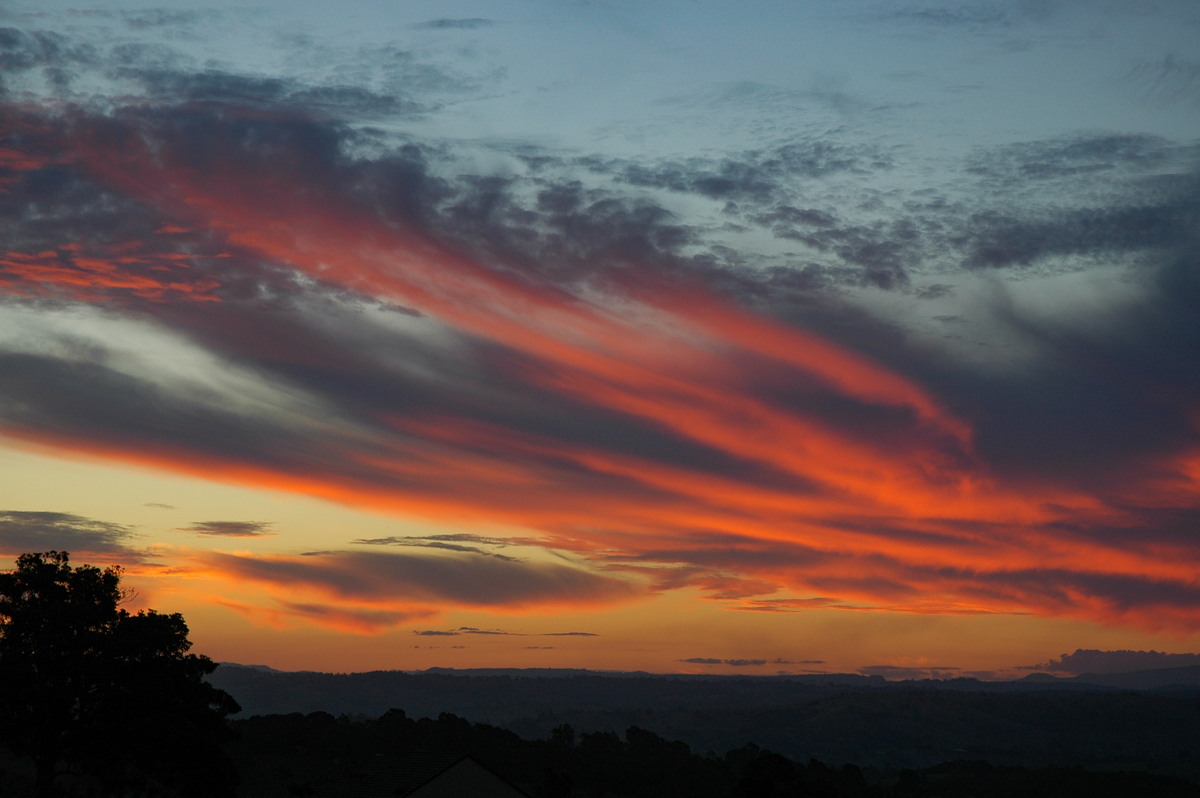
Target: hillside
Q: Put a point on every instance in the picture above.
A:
(865, 720)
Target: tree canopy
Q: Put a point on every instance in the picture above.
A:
(110, 696)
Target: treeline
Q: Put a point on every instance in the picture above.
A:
(886, 725)
(319, 754)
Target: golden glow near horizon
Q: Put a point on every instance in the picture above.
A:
(674, 632)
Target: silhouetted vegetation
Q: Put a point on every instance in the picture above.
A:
(112, 699)
(833, 718)
(322, 755)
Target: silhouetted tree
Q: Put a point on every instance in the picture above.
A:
(113, 695)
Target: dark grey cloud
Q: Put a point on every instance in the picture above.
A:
(164, 17)
(360, 618)
(970, 17)
(458, 537)
(231, 529)
(985, 16)
(755, 175)
(1171, 79)
(1095, 661)
(451, 542)
(120, 410)
(468, 580)
(1120, 597)
(217, 86)
(1073, 156)
(472, 630)
(737, 663)
(935, 291)
(470, 23)
(728, 180)
(902, 672)
(22, 50)
(30, 531)
(1093, 407)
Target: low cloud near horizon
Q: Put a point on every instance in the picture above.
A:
(1083, 661)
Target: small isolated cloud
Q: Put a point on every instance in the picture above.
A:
(159, 506)
(471, 23)
(231, 529)
(1094, 661)
(472, 630)
(462, 542)
(465, 630)
(25, 531)
(935, 291)
(737, 663)
(907, 672)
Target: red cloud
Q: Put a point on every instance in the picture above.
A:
(886, 505)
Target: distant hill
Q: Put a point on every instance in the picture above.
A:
(1185, 678)
(1098, 722)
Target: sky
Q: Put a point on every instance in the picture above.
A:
(700, 337)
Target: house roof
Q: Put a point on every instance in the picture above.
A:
(420, 768)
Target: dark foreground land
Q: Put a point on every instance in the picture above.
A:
(579, 733)
(320, 755)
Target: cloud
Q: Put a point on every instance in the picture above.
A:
(24, 531)
(368, 591)
(737, 663)
(162, 17)
(1094, 661)
(232, 529)
(673, 370)
(470, 23)
(900, 672)
(962, 16)
(1171, 79)
(346, 618)
(1081, 155)
(471, 630)
(448, 542)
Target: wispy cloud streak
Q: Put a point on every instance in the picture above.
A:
(254, 285)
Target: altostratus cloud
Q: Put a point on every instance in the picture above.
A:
(370, 591)
(231, 529)
(661, 435)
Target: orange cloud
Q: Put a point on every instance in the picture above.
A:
(780, 461)
(369, 592)
(111, 273)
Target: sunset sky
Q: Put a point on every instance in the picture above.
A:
(714, 337)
